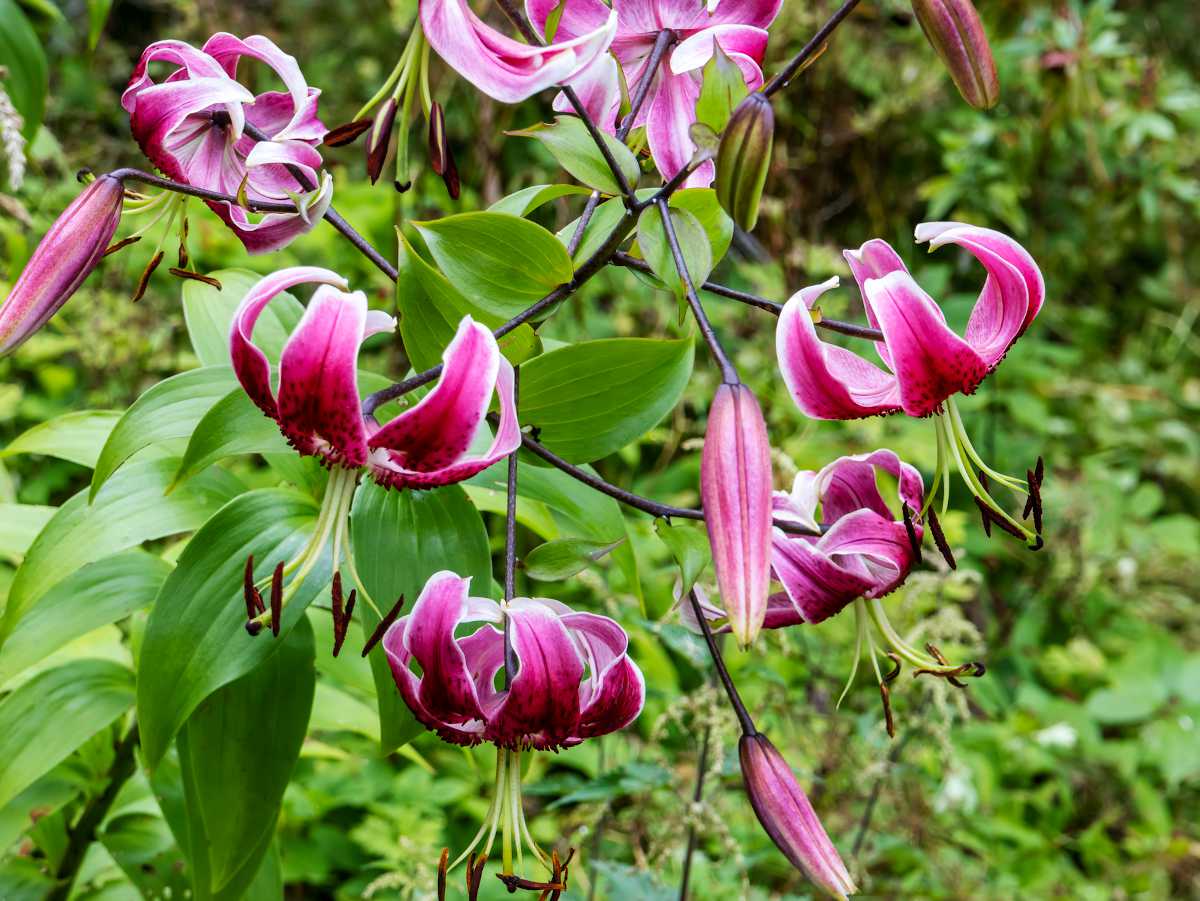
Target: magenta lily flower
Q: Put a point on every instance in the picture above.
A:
(191, 125)
(926, 362)
(501, 67)
(573, 679)
(735, 484)
(738, 26)
(788, 817)
(63, 259)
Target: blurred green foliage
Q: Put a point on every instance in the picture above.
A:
(1073, 768)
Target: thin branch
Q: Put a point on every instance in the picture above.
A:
(510, 549)
(782, 79)
(735, 699)
(696, 798)
(590, 267)
(728, 370)
(628, 498)
(869, 810)
(753, 300)
(83, 833)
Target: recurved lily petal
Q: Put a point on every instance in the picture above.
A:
(735, 484)
(788, 817)
(827, 381)
(62, 260)
(428, 445)
(954, 29)
(501, 67)
(613, 694)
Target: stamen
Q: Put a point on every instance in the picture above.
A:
(886, 695)
(276, 598)
(912, 532)
(986, 513)
(122, 244)
(194, 276)
(401, 186)
(1034, 504)
(441, 877)
(513, 883)
(895, 658)
(253, 597)
(383, 626)
(144, 281)
(475, 877)
(1039, 471)
(939, 538)
(990, 517)
(346, 134)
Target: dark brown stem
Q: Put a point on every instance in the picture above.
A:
(735, 699)
(83, 833)
(782, 79)
(697, 795)
(753, 300)
(728, 370)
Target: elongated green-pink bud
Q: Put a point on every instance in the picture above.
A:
(788, 817)
(735, 484)
(743, 158)
(954, 29)
(64, 258)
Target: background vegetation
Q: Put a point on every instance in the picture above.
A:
(1071, 770)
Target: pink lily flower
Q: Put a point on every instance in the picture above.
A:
(191, 125)
(63, 259)
(501, 67)
(926, 362)
(574, 678)
(738, 26)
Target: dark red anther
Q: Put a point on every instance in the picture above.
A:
(383, 626)
(401, 186)
(438, 146)
(341, 613)
(380, 139)
(441, 877)
(886, 695)
(1039, 471)
(276, 598)
(986, 513)
(1034, 503)
(475, 876)
(254, 599)
(939, 538)
(122, 244)
(999, 521)
(194, 276)
(450, 176)
(913, 542)
(346, 134)
(144, 281)
(515, 883)
(891, 677)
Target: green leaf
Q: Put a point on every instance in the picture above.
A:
(718, 227)
(689, 546)
(400, 539)
(233, 797)
(693, 242)
(51, 715)
(131, 509)
(431, 309)
(724, 87)
(97, 17)
(233, 425)
(20, 525)
(98, 594)
(209, 316)
(501, 262)
(170, 409)
(76, 436)
(525, 201)
(604, 221)
(195, 639)
(591, 399)
(21, 54)
(565, 557)
(568, 141)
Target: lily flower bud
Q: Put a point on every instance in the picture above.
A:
(787, 816)
(744, 157)
(954, 29)
(735, 484)
(380, 138)
(64, 258)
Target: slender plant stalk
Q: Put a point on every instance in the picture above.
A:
(784, 76)
(510, 548)
(697, 796)
(714, 651)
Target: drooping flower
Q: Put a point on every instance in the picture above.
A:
(926, 362)
(735, 484)
(192, 126)
(738, 26)
(501, 67)
(62, 260)
(788, 817)
(567, 676)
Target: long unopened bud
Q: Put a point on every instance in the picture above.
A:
(735, 483)
(954, 29)
(788, 817)
(64, 258)
(380, 138)
(744, 157)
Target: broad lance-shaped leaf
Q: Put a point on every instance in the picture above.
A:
(233, 797)
(503, 263)
(76, 436)
(565, 557)
(593, 398)
(400, 539)
(19, 526)
(233, 425)
(170, 409)
(195, 639)
(208, 314)
(523, 202)
(693, 243)
(52, 714)
(569, 143)
(133, 507)
(100, 593)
